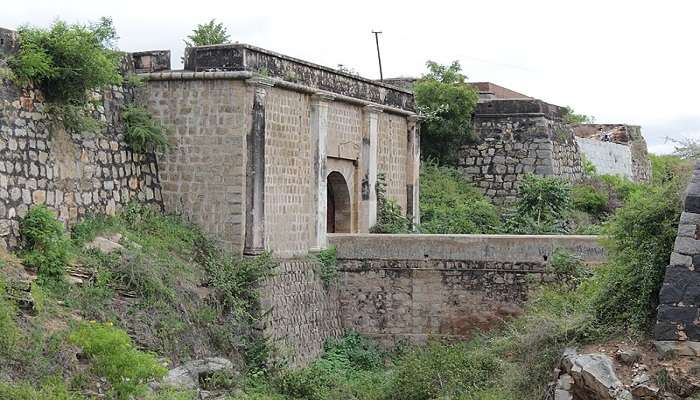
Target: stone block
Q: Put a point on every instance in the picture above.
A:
(687, 246)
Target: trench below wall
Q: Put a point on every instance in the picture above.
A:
(412, 288)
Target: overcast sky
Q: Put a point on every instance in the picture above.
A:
(635, 62)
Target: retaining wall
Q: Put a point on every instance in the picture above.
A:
(75, 173)
(413, 287)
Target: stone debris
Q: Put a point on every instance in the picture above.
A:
(189, 375)
(108, 244)
(592, 377)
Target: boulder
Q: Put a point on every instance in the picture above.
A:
(594, 375)
(628, 356)
(106, 244)
(189, 375)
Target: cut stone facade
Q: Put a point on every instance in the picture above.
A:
(515, 138)
(418, 287)
(257, 134)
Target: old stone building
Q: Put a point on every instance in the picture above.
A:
(271, 152)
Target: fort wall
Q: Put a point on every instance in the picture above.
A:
(416, 287)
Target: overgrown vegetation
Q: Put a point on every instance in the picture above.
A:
(68, 62)
(328, 266)
(449, 204)
(170, 288)
(390, 218)
(46, 247)
(143, 133)
(571, 117)
(113, 356)
(446, 102)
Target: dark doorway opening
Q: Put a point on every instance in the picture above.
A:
(338, 206)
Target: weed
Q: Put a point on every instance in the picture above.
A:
(143, 133)
(46, 245)
(114, 357)
(328, 270)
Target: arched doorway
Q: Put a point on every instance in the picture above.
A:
(338, 211)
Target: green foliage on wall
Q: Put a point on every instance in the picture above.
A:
(143, 133)
(329, 269)
(446, 102)
(571, 117)
(67, 61)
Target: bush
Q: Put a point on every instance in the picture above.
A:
(568, 268)
(53, 389)
(640, 238)
(667, 168)
(113, 356)
(46, 245)
(67, 61)
(541, 207)
(444, 371)
(143, 133)
(590, 200)
(449, 205)
(390, 218)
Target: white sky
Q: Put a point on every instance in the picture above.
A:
(631, 62)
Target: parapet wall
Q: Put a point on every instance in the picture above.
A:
(679, 298)
(515, 138)
(398, 287)
(76, 174)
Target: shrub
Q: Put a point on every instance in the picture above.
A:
(444, 371)
(67, 61)
(143, 133)
(667, 168)
(450, 205)
(46, 245)
(640, 239)
(113, 356)
(568, 268)
(588, 199)
(541, 206)
(390, 218)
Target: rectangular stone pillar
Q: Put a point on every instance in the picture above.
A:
(255, 172)
(319, 134)
(413, 170)
(370, 143)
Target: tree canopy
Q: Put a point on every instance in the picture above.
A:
(446, 102)
(208, 34)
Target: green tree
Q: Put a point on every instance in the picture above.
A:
(208, 34)
(572, 118)
(446, 102)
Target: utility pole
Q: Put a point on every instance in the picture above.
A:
(379, 56)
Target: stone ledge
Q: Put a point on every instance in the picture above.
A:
(672, 348)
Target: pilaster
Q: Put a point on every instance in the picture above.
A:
(413, 169)
(255, 171)
(319, 134)
(370, 144)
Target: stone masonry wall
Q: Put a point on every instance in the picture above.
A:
(76, 174)
(512, 143)
(303, 313)
(203, 172)
(679, 298)
(414, 287)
